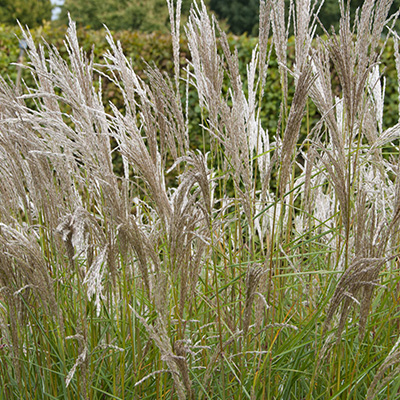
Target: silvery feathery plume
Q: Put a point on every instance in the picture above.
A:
(22, 250)
(310, 159)
(30, 179)
(377, 90)
(81, 361)
(397, 58)
(338, 176)
(41, 71)
(264, 217)
(292, 130)
(190, 224)
(74, 230)
(233, 125)
(11, 327)
(353, 61)
(181, 350)
(357, 284)
(322, 95)
(25, 279)
(265, 203)
(304, 23)
(319, 202)
(138, 240)
(175, 20)
(137, 138)
(169, 115)
(94, 279)
(387, 136)
(205, 61)
(251, 115)
(159, 334)
(149, 166)
(80, 156)
(12, 189)
(264, 28)
(390, 364)
(232, 131)
(378, 190)
(253, 277)
(280, 38)
(372, 124)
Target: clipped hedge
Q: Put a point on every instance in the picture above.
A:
(156, 49)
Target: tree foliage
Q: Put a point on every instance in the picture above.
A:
(242, 15)
(31, 13)
(143, 15)
(330, 11)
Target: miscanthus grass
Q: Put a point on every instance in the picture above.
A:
(263, 266)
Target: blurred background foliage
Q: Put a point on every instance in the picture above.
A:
(31, 13)
(157, 47)
(142, 28)
(143, 15)
(239, 16)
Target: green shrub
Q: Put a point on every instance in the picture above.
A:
(156, 49)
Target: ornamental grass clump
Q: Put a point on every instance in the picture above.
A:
(263, 265)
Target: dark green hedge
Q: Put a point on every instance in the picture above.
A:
(156, 49)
